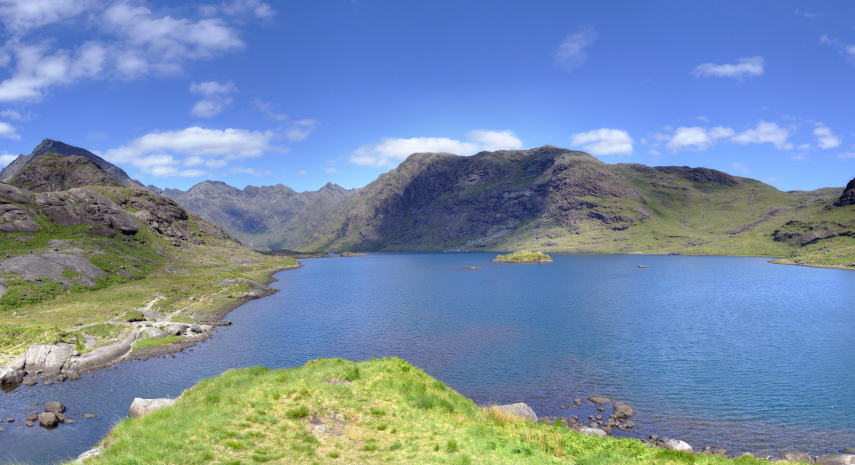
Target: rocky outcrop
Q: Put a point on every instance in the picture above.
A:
(519, 409)
(52, 266)
(102, 356)
(848, 196)
(141, 406)
(10, 376)
(256, 289)
(43, 359)
(52, 172)
(49, 146)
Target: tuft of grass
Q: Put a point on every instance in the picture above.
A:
(147, 343)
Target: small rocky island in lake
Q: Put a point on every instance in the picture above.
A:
(524, 257)
(352, 254)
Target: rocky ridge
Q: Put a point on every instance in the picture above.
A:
(49, 146)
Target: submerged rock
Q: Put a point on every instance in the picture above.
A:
(623, 410)
(599, 400)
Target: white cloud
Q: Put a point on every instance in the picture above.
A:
(744, 67)
(302, 172)
(654, 152)
(229, 143)
(215, 100)
(803, 147)
(389, 151)
(763, 133)
(491, 141)
(16, 115)
(300, 129)
(331, 170)
(260, 9)
(604, 142)
(741, 167)
(267, 109)
(8, 131)
(6, 158)
(846, 156)
(695, 138)
(702, 118)
(827, 139)
(572, 53)
(120, 41)
(209, 163)
(252, 171)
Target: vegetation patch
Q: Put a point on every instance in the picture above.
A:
(148, 343)
(524, 257)
(295, 415)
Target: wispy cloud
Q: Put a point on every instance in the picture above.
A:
(694, 138)
(807, 15)
(214, 101)
(252, 171)
(390, 151)
(7, 131)
(573, 51)
(604, 141)
(120, 41)
(744, 67)
(826, 138)
(741, 167)
(300, 129)
(6, 158)
(765, 132)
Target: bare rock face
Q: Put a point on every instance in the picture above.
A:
(51, 266)
(141, 406)
(46, 359)
(80, 206)
(53, 172)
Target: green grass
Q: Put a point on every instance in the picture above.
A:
(256, 415)
(524, 257)
(147, 343)
(104, 330)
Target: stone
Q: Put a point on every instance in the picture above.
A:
(849, 450)
(10, 376)
(96, 452)
(176, 329)
(721, 452)
(48, 419)
(141, 406)
(61, 417)
(155, 333)
(30, 423)
(601, 409)
(54, 406)
(10, 420)
(195, 328)
(836, 459)
(577, 401)
(2, 429)
(790, 456)
(69, 421)
(676, 444)
(28, 381)
(72, 375)
(593, 432)
(607, 429)
(32, 416)
(89, 416)
(628, 424)
(47, 359)
(520, 410)
(599, 400)
(48, 382)
(623, 410)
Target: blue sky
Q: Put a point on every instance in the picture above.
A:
(306, 92)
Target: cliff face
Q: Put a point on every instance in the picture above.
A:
(49, 146)
(51, 172)
(848, 196)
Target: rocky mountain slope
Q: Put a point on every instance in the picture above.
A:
(548, 199)
(52, 172)
(260, 216)
(49, 146)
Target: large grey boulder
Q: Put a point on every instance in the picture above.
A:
(55, 407)
(10, 376)
(48, 419)
(594, 432)
(676, 444)
(623, 410)
(155, 333)
(141, 406)
(837, 459)
(177, 329)
(45, 359)
(519, 409)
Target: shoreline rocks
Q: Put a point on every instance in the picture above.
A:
(142, 406)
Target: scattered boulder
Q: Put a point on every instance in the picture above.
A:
(45, 359)
(155, 333)
(54, 406)
(623, 410)
(176, 329)
(593, 432)
(519, 409)
(90, 416)
(71, 375)
(676, 444)
(141, 406)
(195, 328)
(599, 400)
(96, 452)
(10, 376)
(48, 419)
(28, 381)
(32, 416)
(837, 459)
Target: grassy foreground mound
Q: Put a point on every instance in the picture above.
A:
(336, 411)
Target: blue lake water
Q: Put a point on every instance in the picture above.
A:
(721, 351)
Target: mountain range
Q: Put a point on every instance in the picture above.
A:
(548, 199)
